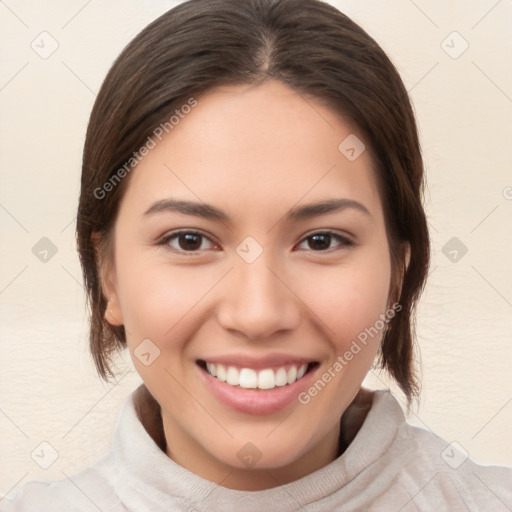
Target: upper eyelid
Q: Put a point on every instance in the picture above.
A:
(172, 234)
(329, 232)
(342, 236)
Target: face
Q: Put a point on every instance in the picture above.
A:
(255, 288)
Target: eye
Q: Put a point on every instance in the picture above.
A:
(187, 241)
(321, 241)
(192, 241)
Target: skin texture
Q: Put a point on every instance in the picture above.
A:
(254, 152)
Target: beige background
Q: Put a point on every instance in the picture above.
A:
(49, 391)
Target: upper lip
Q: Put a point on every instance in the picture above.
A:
(258, 362)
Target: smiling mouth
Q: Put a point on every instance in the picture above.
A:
(263, 379)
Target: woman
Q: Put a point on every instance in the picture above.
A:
(250, 227)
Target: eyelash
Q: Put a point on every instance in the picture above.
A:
(344, 241)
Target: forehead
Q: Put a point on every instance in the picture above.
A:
(256, 148)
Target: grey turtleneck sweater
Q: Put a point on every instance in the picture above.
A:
(389, 466)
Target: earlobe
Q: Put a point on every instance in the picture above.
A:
(406, 258)
(106, 276)
(113, 312)
(407, 254)
(398, 279)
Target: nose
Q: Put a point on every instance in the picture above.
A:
(258, 301)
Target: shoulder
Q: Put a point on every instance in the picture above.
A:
(443, 471)
(91, 489)
(105, 485)
(431, 470)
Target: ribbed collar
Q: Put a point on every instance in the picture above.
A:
(150, 480)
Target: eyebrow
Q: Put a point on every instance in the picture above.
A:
(208, 211)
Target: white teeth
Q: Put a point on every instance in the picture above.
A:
(221, 372)
(301, 371)
(251, 379)
(233, 376)
(292, 375)
(281, 377)
(266, 379)
(248, 378)
(211, 369)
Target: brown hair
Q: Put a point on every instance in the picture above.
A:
(308, 45)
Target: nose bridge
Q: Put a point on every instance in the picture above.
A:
(258, 302)
(258, 282)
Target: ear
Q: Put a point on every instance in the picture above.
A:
(398, 278)
(106, 271)
(406, 251)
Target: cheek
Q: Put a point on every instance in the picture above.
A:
(165, 303)
(350, 299)
(155, 297)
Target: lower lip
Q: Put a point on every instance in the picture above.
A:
(254, 401)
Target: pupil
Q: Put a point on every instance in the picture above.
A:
(326, 238)
(190, 239)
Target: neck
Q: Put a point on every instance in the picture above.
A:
(187, 453)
